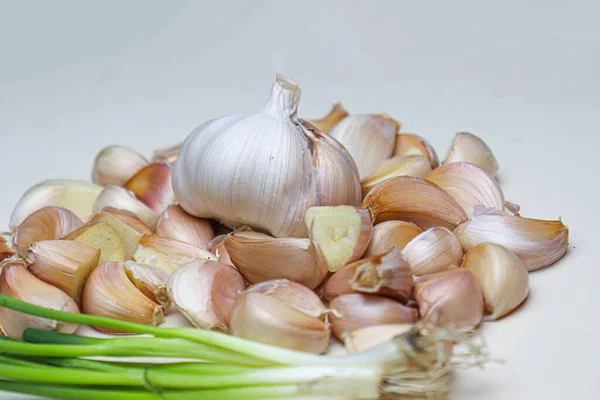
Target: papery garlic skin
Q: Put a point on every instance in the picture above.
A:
(167, 154)
(391, 233)
(409, 144)
(114, 165)
(418, 166)
(151, 281)
(434, 250)
(502, 275)
(168, 254)
(470, 148)
(122, 199)
(254, 170)
(5, 250)
(175, 223)
(152, 186)
(325, 124)
(294, 294)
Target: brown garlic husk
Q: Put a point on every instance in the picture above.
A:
(168, 254)
(418, 166)
(409, 144)
(151, 281)
(370, 336)
(434, 250)
(114, 165)
(177, 224)
(152, 186)
(5, 250)
(467, 147)
(217, 247)
(325, 124)
(389, 234)
(127, 226)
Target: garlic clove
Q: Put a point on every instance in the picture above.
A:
(391, 233)
(103, 237)
(47, 223)
(396, 166)
(128, 227)
(177, 224)
(467, 147)
(5, 250)
(114, 165)
(415, 200)
(260, 257)
(204, 291)
(408, 144)
(370, 336)
(152, 186)
(387, 274)
(151, 281)
(65, 264)
(120, 198)
(434, 250)
(503, 277)
(355, 311)
(340, 234)
(168, 254)
(217, 247)
(325, 124)
(369, 139)
(266, 319)
(17, 282)
(294, 294)
(469, 185)
(451, 297)
(76, 196)
(539, 243)
(110, 293)
(167, 154)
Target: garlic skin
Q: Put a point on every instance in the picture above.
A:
(470, 148)
(114, 165)
(175, 223)
(5, 250)
(205, 291)
(369, 139)
(17, 282)
(503, 278)
(452, 297)
(77, 196)
(260, 257)
(167, 154)
(409, 144)
(469, 185)
(434, 250)
(152, 186)
(122, 199)
(255, 170)
(370, 336)
(355, 311)
(217, 247)
(294, 294)
(539, 243)
(388, 274)
(396, 166)
(128, 227)
(391, 233)
(414, 200)
(47, 223)
(151, 281)
(325, 124)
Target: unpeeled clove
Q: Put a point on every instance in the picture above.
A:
(152, 186)
(122, 199)
(539, 243)
(177, 224)
(388, 274)
(168, 254)
(370, 336)
(127, 226)
(434, 250)
(167, 154)
(205, 291)
(102, 236)
(151, 281)
(409, 144)
(325, 124)
(114, 165)
(470, 148)
(294, 294)
(418, 166)
(391, 233)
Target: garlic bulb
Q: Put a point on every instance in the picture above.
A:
(325, 124)
(396, 166)
(391, 233)
(408, 144)
(502, 275)
(467, 147)
(152, 186)
(434, 250)
(175, 223)
(114, 165)
(256, 170)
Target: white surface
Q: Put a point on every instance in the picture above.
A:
(78, 75)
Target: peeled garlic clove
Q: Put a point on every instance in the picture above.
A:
(128, 227)
(168, 254)
(151, 281)
(294, 294)
(370, 336)
(355, 311)
(467, 147)
(5, 250)
(76, 196)
(110, 293)
(204, 291)
(47, 223)
(434, 250)
(340, 234)
(114, 165)
(415, 200)
(369, 139)
(408, 144)
(539, 243)
(168, 154)
(260, 257)
(451, 297)
(469, 185)
(120, 198)
(152, 186)
(389, 234)
(65, 264)
(217, 247)
(502, 275)
(175, 223)
(103, 237)
(397, 166)
(17, 282)
(265, 319)
(325, 124)
(387, 274)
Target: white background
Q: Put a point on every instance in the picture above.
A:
(78, 75)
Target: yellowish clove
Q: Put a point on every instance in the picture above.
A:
(434, 250)
(389, 234)
(114, 165)
(409, 144)
(325, 124)
(127, 226)
(168, 254)
(152, 186)
(470, 148)
(177, 224)
(418, 166)
(103, 237)
(122, 199)
(370, 336)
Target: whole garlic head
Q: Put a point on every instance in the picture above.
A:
(259, 169)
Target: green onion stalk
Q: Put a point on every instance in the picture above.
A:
(57, 365)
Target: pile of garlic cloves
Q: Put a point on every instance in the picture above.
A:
(280, 230)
